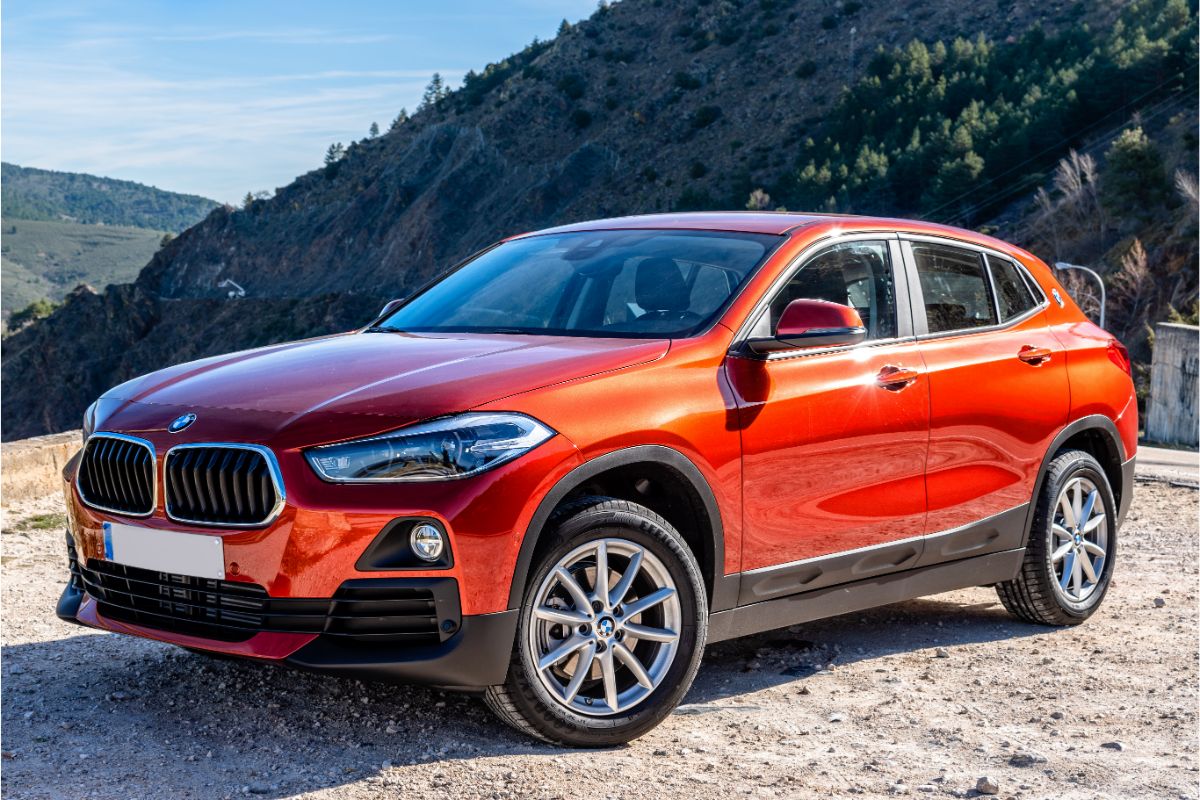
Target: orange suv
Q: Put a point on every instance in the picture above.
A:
(556, 473)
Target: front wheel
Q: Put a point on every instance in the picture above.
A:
(1072, 545)
(611, 628)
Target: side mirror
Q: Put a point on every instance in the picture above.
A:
(391, 306)
(813, 323)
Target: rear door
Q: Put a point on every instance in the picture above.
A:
(998, 393)
(834, 441)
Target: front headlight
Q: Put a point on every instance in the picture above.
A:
(453, 447)
(89, 421)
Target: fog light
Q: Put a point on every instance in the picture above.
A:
(427, 542)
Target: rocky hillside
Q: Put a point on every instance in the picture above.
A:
(647, 106)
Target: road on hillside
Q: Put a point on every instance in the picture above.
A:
(920, 698)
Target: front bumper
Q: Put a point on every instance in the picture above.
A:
(397, 629)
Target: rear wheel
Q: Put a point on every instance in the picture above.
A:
(611, 628)
(1072, 545)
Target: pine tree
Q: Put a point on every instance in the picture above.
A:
(248, 200)
(334, 154)
(373, 130)
(400, 119)
(434, 92)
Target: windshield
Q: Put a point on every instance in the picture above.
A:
(629, 284)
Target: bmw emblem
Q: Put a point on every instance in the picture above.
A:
(180, 423)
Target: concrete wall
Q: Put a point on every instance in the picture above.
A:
(32, 468)
(1171, 416)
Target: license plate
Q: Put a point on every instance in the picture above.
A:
(191, 554)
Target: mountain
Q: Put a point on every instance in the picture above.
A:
(936, 108)
(61, 229)
(43, 261)
(42, 194)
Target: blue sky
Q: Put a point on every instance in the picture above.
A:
(220, 98)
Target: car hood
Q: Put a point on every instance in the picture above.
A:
(338, 387)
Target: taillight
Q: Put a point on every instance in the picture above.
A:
(1120, 356)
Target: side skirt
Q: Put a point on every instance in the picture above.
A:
(861, 595)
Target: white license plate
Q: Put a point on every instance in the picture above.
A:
(165, 551)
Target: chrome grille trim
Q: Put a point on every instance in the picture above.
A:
(88, 466)
(272, 470)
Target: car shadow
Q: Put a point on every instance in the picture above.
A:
(228, 727)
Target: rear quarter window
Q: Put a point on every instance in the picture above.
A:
(954, 288)
(1012, 292)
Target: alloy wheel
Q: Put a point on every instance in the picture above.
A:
(605, 627)
(1079, 540)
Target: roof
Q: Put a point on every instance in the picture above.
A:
(772, 222)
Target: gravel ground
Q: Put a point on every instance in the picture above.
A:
(922, 698)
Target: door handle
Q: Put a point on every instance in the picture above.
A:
(894, 378)
(1034, 355)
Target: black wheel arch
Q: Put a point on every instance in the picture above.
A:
(1095, 434)
(722, 591)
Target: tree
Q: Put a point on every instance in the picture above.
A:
(166, 239)
(1131, 289)
(1134, 179)
(400, 119)
(334, 154)
(759, 201)
(373, 130)
(248, 200)
(435, 92)
(564, 28)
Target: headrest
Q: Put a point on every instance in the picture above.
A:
(659, 285)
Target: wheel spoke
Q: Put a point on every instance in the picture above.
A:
(650, 634)
(1093, 548)
(1088, 506)
(574, 589)
(1068, 512)
(1061, 552)
(617, 595)
(561, 615)
(562, 651)
(582, 669)
(648, 602)
(608, 671)
(630, 660)
(1088, 569)
(1061, 532)
(1068, 569)
(1077, 502)
(1077, 576)
(600, 585)
(1094, 523)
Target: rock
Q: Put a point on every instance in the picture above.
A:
(987, 785)
(1159, 602)
(1056, 715)
(898, 788)
(1026, 759)
(1113, 746)
(941, 652)
(837, 716)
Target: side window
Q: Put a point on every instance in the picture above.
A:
(954, 287)
(1011, 289)
(857, 274)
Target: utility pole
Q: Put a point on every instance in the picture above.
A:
(1063, 265)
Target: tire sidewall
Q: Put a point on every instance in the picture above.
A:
(1084, 466)
(665, 544)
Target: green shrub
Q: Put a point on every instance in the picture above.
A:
(581, 118)
(705, 116)
(685, 81)
(806, 69)
(572, 85)
(829, 22)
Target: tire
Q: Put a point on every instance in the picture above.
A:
(1054, 587)
(540, 703)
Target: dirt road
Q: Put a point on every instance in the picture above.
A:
(922, 698)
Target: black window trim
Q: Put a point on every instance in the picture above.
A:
(921, 323)
(901, 278)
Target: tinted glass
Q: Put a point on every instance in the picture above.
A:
(1011, 290)
(629, 284)
(954, 287)
(857, 274)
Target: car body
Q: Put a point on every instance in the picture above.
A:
(807, 478)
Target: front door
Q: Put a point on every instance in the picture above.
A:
(834, 442)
